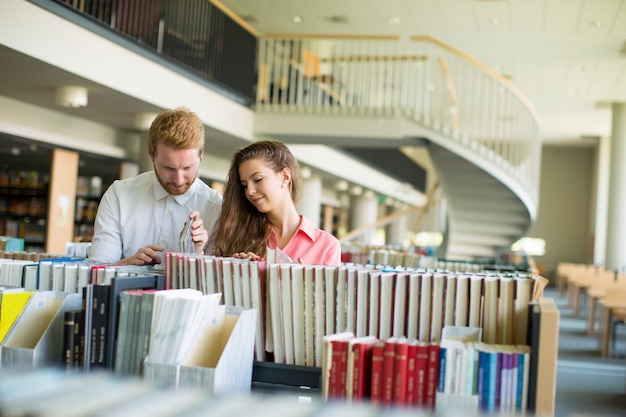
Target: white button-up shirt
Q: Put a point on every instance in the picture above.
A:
(138, 211)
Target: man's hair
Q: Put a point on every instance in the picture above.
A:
(178, 128)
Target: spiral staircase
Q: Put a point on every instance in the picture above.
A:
(481, 132)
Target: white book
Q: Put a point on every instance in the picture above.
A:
(256, 300)
(275, 313)
(425, 296)
(210, 285)
(70, 278)
(84, 272)
(437, 314)
(299, 328)
(462, 300)
(476, 286)
(237, 288)
(227, 280)
(58, 276)
(244, 268)
(45, 276)
(309, 316)
(450, 296)
(284, 272)
(31, 272)
(523, 288)
(193, 273)
(374, 303)
(362, 303)
(341, 301)
(506, 311)
(414, 303)
(399, 305)
(186, 271)
(351, 297)
(329, 279)
(320, 314)
(386, 305)
(490, 309)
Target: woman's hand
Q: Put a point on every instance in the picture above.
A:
(248, 255)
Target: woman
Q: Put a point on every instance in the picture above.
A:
(259, 210)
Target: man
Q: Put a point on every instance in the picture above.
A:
(140, 217)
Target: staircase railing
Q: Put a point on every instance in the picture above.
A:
(422, 79)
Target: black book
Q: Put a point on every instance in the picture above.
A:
(69, 320)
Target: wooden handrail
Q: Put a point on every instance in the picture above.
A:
(235, 17)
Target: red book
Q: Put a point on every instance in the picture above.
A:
(400, 371)
(376, 390)
(432, 374)
(331, 364)
(421, 366)
(389, 358)
(411, 374)
(361, 365)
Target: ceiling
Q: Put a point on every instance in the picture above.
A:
(567, 56)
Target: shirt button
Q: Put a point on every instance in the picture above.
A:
(161, 242)
(167, 214)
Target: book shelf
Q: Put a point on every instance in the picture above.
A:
(288, 375)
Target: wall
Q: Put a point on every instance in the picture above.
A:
(565, 205)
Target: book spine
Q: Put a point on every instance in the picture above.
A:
(388, 372)
(421, 371)
(377, 373)
(411, 374)
(432, 374)
(69, 320)
(400, 372)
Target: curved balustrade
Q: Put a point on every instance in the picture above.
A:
(423, 80)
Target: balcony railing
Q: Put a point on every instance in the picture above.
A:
(421, 78)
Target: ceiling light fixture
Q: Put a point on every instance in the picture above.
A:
(596, 23)
(342, 185)
(305, 173)
(71, 96)
(395, 20)
(297, 19)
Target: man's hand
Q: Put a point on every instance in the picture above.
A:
(199, 235)
(248, 255)
(145, 256)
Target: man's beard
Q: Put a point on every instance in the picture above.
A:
(174, 191)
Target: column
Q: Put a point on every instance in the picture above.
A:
(364, 212)
(603, 166)
(398, 228)
(309, 203)
(616, 219)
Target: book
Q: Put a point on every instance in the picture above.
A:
(386, 300)
(69, 320)
(400, 372)
(359, 367)
(376, 387)
(13, 303)
(475, 297)
(425, 310)
(298, 312)
(544, 337)
(432, 374)
(399, 304)
(462, 301)
(490, 309)
(286, 312)
(389, 371)
(422, 356)
(333, 348)
(413, 305)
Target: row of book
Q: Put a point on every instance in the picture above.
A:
(299, 304)
(401, 372)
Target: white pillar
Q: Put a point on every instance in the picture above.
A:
(398, 229)
(603, 167)
(616, 219)
(310, 200)
(364, 211)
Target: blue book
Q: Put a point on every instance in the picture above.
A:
(442, 369)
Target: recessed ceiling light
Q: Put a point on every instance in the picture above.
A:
(596, 23)
(297, 19)
(572, 91)
(395, 20)
(494, 21)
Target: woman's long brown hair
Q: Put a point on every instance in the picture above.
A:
(242, 228)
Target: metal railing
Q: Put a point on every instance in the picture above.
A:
(196, 34)
(425, 80)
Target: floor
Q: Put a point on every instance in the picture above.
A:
(587, 384)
